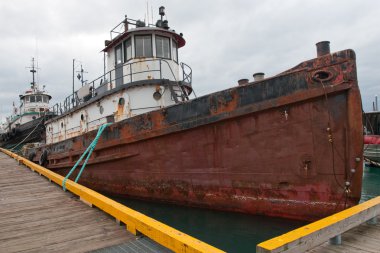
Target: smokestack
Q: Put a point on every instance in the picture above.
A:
(323, 48)
(376, 105)
(258, 76)
(243, 81)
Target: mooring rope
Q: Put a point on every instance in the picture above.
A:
(88, 152)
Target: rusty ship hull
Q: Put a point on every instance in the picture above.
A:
(287, 146)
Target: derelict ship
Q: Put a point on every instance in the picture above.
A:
(26, 123)
(288, 145)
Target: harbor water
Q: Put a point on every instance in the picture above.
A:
(234, 232)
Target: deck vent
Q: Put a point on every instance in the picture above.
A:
(243, 81)
(258, 76)
(323, 48)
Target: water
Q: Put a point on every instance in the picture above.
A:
(371, 183)
(234, 232)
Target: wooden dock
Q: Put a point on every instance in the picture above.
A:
(355, 229)
(38, 216)
(364, 238)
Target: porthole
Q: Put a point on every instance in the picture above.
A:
(34, 117)
(157, 95)
(121, 101)
(101, 109)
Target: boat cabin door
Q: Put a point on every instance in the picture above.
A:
(118, 66)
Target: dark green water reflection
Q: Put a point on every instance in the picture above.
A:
(234, 232)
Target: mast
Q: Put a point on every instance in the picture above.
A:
(33, 71)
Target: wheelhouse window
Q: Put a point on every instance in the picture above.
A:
(38, 99)
(162, 47)
(143, 46)
(118, 54)
(32, 99)
(175, 51)
(127, 50)
(27, 99)
(46, 99)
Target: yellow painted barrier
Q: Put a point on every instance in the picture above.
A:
(311, 235)
(135, 221)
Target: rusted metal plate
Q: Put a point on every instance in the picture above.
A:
(284, 146)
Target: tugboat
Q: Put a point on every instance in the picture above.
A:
(26, 123)
(288, 145)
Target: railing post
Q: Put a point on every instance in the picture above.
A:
(130, 72)
(160, 69)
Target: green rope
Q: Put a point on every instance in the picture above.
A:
(88, 152)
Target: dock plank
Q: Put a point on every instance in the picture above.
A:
(37, 216)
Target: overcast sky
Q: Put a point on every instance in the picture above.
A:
(225, 40)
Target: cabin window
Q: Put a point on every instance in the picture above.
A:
(118, 54)
(27, 99)
(32, 99)
(46, 99)
(162, 47)
(38, 99)
(143, 46)
(175, 51)
(127, 50)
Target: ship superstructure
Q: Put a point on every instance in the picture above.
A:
(32, 109)
(142, 74)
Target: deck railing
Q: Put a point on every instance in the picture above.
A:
(72, 101)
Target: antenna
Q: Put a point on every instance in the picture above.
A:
(33, 70)
(151, 12)
(80, 75)
(147, 12)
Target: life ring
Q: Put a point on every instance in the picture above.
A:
(43, 158)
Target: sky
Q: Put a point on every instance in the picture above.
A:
(225, 40)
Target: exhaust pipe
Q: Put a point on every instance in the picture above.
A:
(323, 48)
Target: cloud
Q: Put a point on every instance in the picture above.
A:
(226, 40)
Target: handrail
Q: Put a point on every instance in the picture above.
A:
(312, 235)
(135, 222)
(73, 101)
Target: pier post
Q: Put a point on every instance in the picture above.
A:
(336, 240)
(372, 221)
